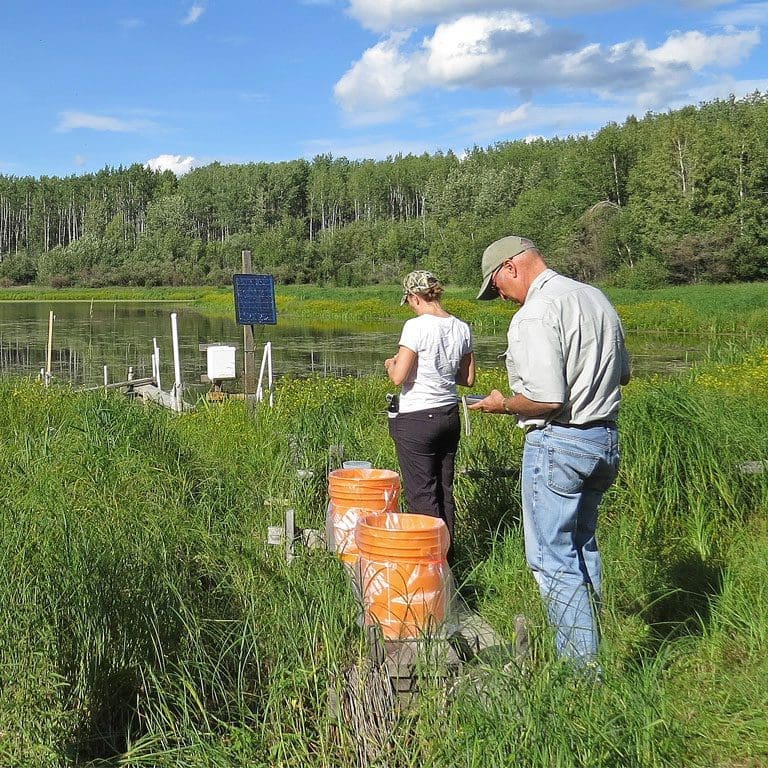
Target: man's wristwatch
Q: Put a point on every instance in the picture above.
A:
(504, 405)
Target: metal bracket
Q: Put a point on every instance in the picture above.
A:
(288, 536)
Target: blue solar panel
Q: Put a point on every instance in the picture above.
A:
(255, 299)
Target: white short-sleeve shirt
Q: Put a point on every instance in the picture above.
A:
(439, 343)
(566, 345)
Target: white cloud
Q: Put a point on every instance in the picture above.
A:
(463, 49)
(697, 50)
(509, 50)
(463, 52)
(384, 74)
(176, 163)
(678, 62)
(69, 121)
(751, 14)
(80, 160)
(518, 115)
(193, 14)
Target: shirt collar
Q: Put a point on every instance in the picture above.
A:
(540, 281)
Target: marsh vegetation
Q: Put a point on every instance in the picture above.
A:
(144, 620)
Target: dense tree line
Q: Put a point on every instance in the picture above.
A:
(670, 198)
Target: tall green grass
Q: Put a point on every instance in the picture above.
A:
(144, 620)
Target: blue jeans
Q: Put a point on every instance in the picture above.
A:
(566, 471)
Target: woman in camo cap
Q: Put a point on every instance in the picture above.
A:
(435, 355)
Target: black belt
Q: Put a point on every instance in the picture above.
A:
(587, 425)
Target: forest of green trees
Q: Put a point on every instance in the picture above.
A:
(670, 198)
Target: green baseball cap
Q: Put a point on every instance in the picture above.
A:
(495, 255)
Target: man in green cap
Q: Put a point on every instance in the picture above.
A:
(566, 359)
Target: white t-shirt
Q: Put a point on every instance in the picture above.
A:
(439, 343)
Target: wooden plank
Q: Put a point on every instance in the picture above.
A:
(119, 384)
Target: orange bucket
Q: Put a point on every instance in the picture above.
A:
(354, 493)
(403, 572)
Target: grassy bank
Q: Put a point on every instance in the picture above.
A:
(736, 309)
(144, 621)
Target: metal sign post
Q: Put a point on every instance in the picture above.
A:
(249, 361)
(254, 305)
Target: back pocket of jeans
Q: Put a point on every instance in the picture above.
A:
(567, 471)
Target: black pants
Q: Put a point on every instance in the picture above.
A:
(426, 443)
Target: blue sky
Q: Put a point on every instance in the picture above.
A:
(182, 83)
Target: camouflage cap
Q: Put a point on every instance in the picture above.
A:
(419, 281)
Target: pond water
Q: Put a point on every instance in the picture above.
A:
(90, 335)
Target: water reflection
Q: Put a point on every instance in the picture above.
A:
(90, 335)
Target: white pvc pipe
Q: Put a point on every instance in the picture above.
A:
(266, 362)
(259, 388)
(176, 361)
(156, 361)
(49, 351)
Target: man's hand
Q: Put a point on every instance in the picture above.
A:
(517, 405)
(493, 403)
